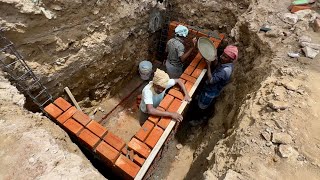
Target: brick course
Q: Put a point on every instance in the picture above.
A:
(164, 122)
(202, 65)
(188, 78)
(196, 60)
(188, 86)
(175, 105)
(144, 131)
(114, 141)
(154, 136)
(67, 115)
(127, 166)
(107, 153)
(196, 73)
(89, 138)
(189, 70)
(96, 128)
(81, 118)
(165, 103)
(138, 160)
(139, 147)
(176, 94)
(62, 104)
(73, 126)
(53, 110)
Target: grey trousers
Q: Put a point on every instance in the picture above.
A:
(142, 117)
(173, 71)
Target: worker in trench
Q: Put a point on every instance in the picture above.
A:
(203, 108)
(176, 52)
(154, 92)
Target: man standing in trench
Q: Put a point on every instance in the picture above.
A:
(154, 92)
(217, 79)
(176, 52)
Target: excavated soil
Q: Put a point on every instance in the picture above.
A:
(266, 122)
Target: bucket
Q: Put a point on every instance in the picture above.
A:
(145, 70)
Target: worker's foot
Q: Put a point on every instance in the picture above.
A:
(196, 122)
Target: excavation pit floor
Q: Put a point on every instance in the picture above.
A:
(121, 113)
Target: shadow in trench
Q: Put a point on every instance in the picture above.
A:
(101, 166)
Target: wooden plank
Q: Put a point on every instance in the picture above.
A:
(167, 132)
(72, 98)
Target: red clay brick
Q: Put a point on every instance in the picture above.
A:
(196, 73)
(107, 153)
(73, 126)
(128, 167)
(317, 25)
(53, 110)
(154, 136)
(124, 150)
(89, 138)
(182, 80)
(138, 160)
(139, 147)
(189, 70)
(299, 8)
(81, 118)
(176, 94)
(144, 131)
(188, 78)
(62, 104)
(164, 122)
(202, 65)
(155, 119)
(193, 32)
(67, 115)
(166, 101)
(202, 34)
(114, 141)
(96, 128)
(196, 60)
(188, 86)
(175, 105)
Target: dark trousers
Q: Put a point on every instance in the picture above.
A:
(196, 113)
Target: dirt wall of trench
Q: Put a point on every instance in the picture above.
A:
(93, 47)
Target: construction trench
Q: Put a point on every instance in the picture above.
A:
(94, 49)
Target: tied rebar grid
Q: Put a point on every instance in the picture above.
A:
(14, 64)
(164, 31)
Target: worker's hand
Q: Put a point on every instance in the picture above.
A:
(187, 98)
(194, 41)
(208, 63)
(176, 116)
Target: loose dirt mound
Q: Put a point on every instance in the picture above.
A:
(269, 113)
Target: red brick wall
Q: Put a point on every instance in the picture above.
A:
(127, 159)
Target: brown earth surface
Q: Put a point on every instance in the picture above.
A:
(266, 123)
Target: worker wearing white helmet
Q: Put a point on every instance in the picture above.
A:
(176, 52)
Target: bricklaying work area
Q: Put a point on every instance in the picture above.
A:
(126, 159)
(70, 90)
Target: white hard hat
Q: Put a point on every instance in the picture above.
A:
(181, 30)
